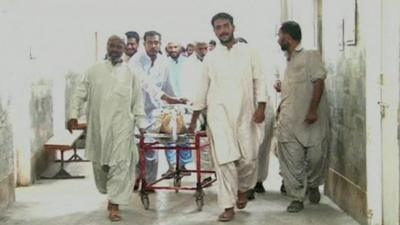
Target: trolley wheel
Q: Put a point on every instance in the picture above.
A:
(145, 200)
(199, 199)
(177, 184)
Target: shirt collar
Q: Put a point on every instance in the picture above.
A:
(149, 61)
(177, 61)
(224, 48)
(298, 49)
(148, 57)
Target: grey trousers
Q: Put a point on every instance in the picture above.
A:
(302, 167)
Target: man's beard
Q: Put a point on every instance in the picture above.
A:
(152, 53)
(114, 57)
(200, 57)
(227, 40)
(174, 56)
(284, 47)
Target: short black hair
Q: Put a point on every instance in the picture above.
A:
(223, 16)
(132, 34)
(292, 28)
(212, 42)
(151, 33)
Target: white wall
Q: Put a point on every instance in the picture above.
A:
(61, 33)
(46, 39)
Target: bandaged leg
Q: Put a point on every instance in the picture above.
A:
(185, 156)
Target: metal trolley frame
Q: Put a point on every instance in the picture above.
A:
(193, 145)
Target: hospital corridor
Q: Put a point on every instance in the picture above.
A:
(174, 112)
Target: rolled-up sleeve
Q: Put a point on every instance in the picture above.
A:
(316, 69)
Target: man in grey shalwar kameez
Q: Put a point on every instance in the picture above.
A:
(115, 107)
(302, 126)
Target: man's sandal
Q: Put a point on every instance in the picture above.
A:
(295, 206)
(241, 202)
(114, 216)
(113, 210)
(227, 215)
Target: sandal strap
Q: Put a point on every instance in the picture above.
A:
(225, 216)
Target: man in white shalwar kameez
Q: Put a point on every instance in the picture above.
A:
(115, 107)
(264, 149)
(192, 72)
(302, 127)
(233, 91)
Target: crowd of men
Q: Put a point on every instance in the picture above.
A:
(225, 80)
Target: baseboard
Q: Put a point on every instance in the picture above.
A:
(7, 191)
(347, 195)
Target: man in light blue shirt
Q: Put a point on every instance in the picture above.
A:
(175, 62)
(155, 67)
